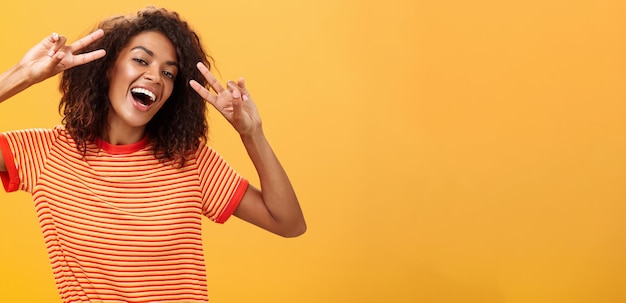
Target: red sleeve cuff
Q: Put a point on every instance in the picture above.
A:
(10, 179)
(234, 201)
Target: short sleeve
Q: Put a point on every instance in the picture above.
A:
(222, 187)
(24, 153)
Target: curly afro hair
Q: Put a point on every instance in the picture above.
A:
(179, 126)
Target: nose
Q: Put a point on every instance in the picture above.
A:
(151, 74)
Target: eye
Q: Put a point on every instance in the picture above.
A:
(140, 61)
(169, 74)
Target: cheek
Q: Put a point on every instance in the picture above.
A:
(115, 89)
(168, 89)
(119, 80)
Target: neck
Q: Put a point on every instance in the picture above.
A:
(123, 134)
(125, 139)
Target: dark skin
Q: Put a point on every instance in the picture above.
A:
(274, 206)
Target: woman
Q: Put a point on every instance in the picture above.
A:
(120, 188)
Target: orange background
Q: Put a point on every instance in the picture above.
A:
(443, 151)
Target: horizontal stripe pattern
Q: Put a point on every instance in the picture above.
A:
(122, 227)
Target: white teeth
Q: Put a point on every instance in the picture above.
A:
(139, 90)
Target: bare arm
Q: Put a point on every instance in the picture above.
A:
(12, 82)
(275, 206)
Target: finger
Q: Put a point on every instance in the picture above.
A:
(88, 57)
(210, 78)
(51, 39)
(59, 41)
(238, 96)
(203, 92)
(54, 37)
(81, 43)
(56, 59)
(54, 66)
(236, 91)
(237, 108)
(242, 83)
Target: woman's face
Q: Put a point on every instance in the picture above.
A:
(141, 80)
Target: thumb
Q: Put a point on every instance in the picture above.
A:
(236, 100)
(50, 66)
(238, 110)
(54, 64)
(236, 93)
(242, 83)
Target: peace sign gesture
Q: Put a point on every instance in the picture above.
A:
(51, 56)
(274, 206)
(233, 102)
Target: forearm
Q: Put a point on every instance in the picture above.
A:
(12, 82)
(277, 192)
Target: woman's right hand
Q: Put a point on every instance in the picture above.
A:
(51, 56)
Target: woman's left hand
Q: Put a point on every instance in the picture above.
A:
(233, 102)
(275, 207)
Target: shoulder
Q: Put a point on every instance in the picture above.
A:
(206, 155)
(35, 133)
(203, 150)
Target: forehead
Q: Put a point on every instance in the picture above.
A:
(155, 42)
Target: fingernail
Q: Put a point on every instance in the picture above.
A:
(236, 94)
(245, 98)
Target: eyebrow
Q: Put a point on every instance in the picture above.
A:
(151, 53)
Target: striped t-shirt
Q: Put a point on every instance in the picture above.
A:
(119, 224)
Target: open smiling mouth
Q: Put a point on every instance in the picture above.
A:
(143, 96)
